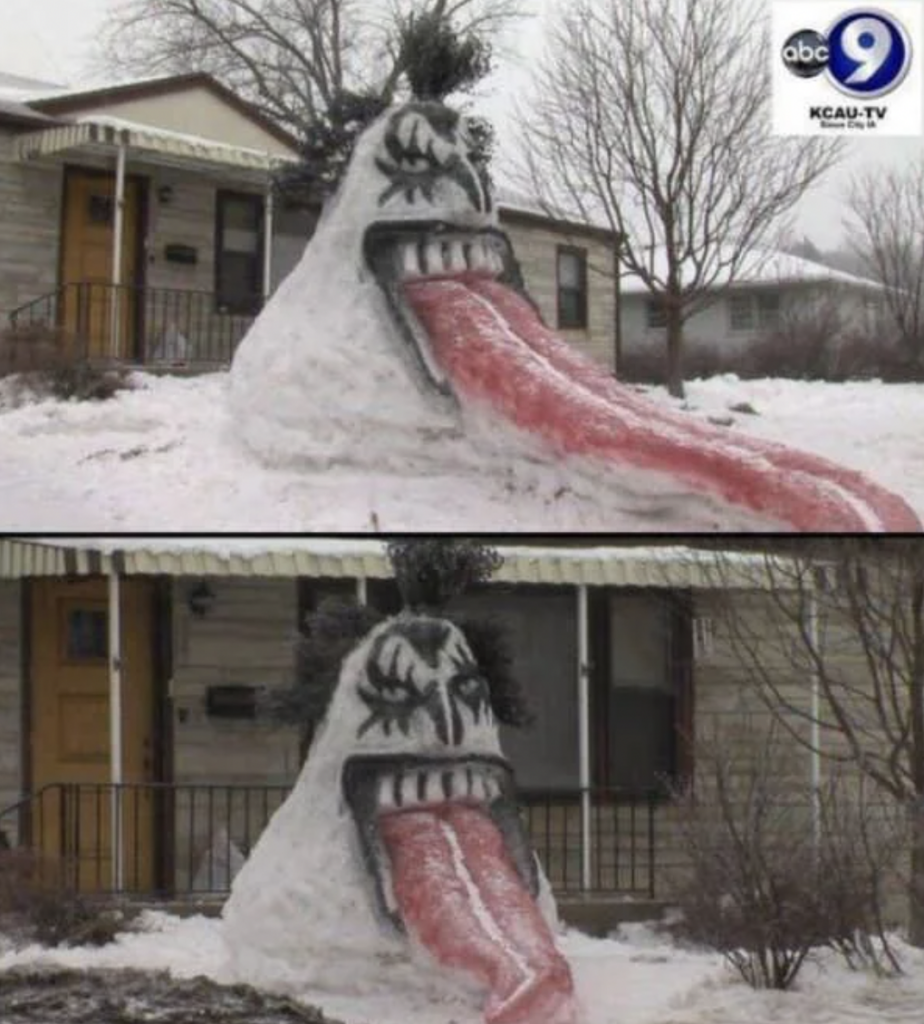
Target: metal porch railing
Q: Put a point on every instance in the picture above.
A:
(156, 327)
(176, 840)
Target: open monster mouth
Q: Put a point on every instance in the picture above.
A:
(476, 336)
(444, 843)
(379, 789)
(401, 252)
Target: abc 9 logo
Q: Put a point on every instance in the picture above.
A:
(865, 53)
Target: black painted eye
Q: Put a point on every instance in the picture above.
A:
(396, 693)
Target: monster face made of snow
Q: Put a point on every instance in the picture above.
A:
(403, 322)
(402, 833)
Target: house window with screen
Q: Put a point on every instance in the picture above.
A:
(741, 312)
(644, 690)
(572, 288)
(239, 253)
(656, 315)
(768, 310)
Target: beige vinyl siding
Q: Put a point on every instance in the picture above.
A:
(245, 639)
(10, 700)
(30, 215)
(535, 247)
(195, 111)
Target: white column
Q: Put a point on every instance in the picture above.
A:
(361, 590)
(115, 725)
(118, 231)
(268, 210)
(583, 695)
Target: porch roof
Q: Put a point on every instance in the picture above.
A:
(641, 566)
(102, 134)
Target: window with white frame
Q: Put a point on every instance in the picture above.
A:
(655, 315)
(741, 312)
(768, 310)
(750, 311)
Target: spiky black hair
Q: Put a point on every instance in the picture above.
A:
(429, 572)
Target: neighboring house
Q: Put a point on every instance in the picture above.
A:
(173, 174)
(616, 645)
(193, 165)
(775, 295)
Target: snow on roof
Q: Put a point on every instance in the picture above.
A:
(761, 266)
(11, 109)
(16, 87)
(514, 200)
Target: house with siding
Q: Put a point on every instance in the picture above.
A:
(139, 221)
(773, 297)
(131, 674)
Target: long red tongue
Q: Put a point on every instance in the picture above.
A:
(460, 895)
(495, 349)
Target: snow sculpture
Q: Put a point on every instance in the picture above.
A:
(402, 835)
(406, 315)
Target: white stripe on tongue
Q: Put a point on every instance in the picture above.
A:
(462, 898)
(494, 348)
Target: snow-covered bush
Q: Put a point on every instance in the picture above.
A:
(45, 364)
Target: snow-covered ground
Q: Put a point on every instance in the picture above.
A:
(164, 457)
(637, 978)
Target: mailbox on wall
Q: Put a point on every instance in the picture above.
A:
(231, 701)
(185, 254)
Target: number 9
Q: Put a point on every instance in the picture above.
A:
(869, 57)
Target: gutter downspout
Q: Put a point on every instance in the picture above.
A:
(118, 231)
(362, 591)
(115, 726)
(583, 695)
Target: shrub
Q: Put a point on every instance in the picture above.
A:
(38, 905)
(766, 884)
(47, 362)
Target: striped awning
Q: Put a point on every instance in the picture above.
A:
(630, 566)
(102, 135)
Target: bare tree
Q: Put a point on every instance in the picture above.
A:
(293, 59)
(886, 229)
(838, 658)
(653, 115)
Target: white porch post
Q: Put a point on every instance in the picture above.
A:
(268, 212)
(815, 739)
(118, 230)
(115, 725)
(583, 695)
(361, 590)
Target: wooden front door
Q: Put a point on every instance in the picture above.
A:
(70, 738)
(93, 311)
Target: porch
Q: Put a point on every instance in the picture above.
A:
(175, 841)
(158, 328)
(166, 246)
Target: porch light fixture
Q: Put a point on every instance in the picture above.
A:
(200, 600)
(165, 194)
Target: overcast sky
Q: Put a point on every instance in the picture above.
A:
(53, 40)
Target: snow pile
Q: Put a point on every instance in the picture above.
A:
(164, 458)
(638, 979)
